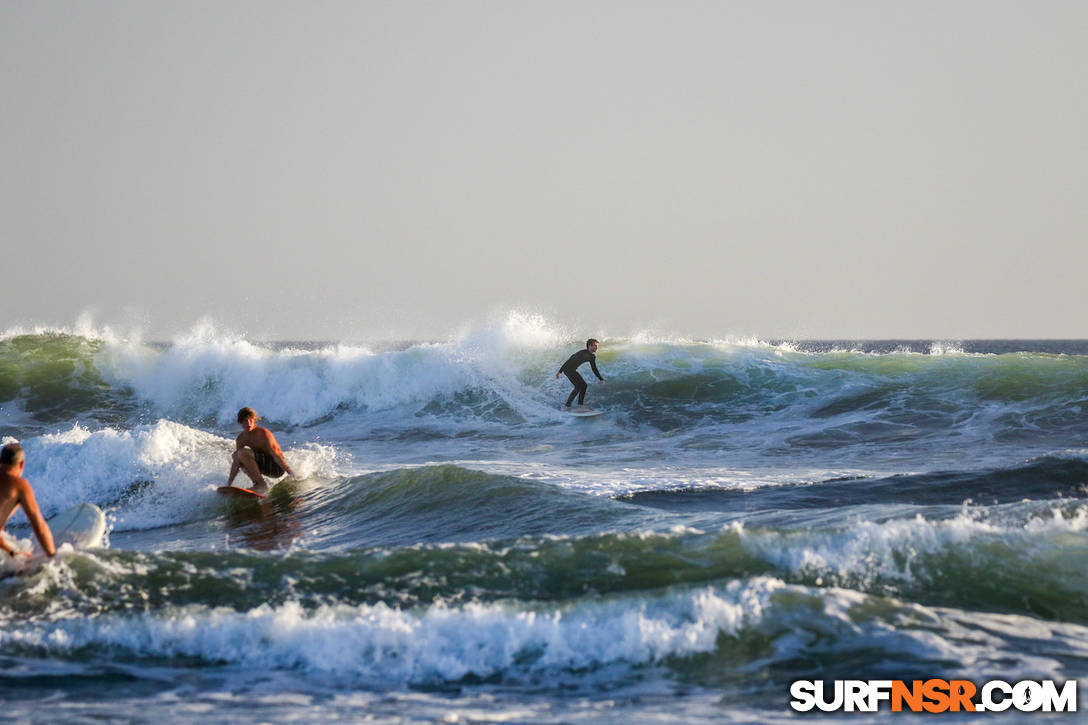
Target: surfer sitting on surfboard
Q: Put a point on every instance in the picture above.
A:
(570, 369)
(257, 452)
(15, 491)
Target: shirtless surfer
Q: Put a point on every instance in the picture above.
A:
(15, 491)
(570, 369)
(257, 452)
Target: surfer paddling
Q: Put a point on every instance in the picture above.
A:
(16, 491)
(570, 369)
(256, 452)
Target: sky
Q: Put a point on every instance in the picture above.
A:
(351, 170)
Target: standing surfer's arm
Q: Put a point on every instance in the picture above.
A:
(571, 363)
(593, 364)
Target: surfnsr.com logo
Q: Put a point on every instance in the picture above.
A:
(934, 696)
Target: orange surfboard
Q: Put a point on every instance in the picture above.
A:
(238, 492)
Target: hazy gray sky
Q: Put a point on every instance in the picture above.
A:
(351, 169)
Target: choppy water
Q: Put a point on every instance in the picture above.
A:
(745, 514)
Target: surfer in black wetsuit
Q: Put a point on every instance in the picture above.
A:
(570, 369)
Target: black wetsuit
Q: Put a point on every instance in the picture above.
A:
(570, 369)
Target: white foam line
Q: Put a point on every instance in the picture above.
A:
(449, 643)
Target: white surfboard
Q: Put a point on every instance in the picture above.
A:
(582, 412)
(82, 527)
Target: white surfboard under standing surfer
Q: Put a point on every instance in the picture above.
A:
(583, 412)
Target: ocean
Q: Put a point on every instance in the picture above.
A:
(744, 514)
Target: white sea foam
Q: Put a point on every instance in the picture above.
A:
(891, 550)
(211, 373)
(444, 643)
(84, 326)
(438, 642)
(624, 479)
(938, 348)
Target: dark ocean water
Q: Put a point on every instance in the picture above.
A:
(744, 514)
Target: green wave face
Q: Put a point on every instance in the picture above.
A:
(1011, 377)
(54, 377)
(1021, 559)
(57, 377)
